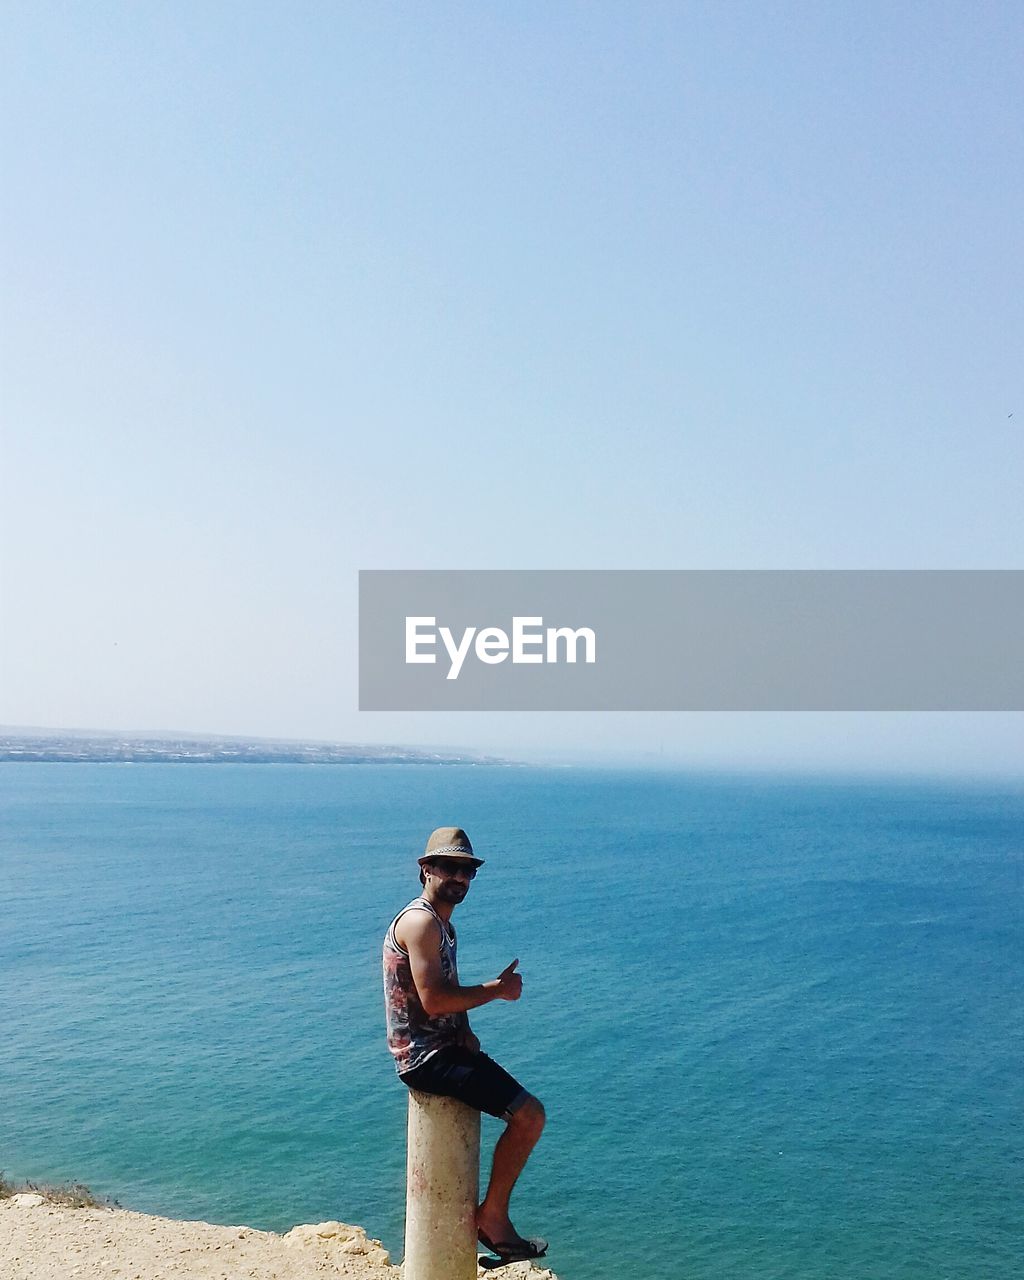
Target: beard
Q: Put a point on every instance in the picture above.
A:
(452, 891)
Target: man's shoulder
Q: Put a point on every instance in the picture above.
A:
(416, 923)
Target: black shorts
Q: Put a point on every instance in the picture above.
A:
(473, 1078)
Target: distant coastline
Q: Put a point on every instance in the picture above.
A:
(74, 746)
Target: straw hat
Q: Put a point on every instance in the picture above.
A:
(450, 842)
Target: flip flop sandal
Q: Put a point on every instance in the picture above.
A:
(513, 1250)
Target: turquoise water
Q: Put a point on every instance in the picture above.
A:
(777, 1024)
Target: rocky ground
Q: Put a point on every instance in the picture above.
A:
(40, 1240)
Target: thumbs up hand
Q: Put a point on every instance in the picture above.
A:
(510, 983)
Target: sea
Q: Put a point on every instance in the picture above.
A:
(777, 1022)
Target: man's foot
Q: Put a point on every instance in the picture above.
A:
(515, 1248)
(495, 1224)
(487, 1263)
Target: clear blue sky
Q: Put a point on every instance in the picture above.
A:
(297, 289)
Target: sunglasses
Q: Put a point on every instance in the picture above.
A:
(457, 870)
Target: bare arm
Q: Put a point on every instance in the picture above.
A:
(420, 934)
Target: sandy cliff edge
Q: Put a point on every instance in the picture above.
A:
(44, 1241)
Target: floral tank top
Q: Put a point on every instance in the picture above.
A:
(412, 1036)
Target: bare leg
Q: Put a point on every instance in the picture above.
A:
(510, 1155)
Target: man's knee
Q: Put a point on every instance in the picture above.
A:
(529, 1118)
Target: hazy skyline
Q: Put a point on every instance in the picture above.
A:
(294, 291)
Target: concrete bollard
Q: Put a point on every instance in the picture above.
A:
(443, 1182)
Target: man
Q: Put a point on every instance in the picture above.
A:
(429, 1035)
